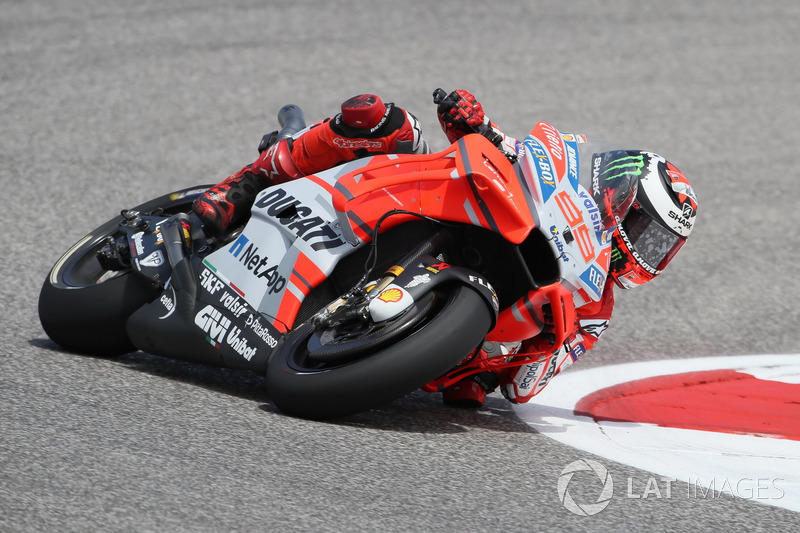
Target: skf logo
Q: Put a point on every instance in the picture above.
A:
(391, 295)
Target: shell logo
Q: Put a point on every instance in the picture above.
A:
(391, 295)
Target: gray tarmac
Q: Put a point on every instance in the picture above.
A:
(107, 104)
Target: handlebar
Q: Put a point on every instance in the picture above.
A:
(291, 120)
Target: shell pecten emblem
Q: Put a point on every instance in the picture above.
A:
(389, 303)
(391, 295)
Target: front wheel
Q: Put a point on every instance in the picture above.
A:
(84, 307)
(300, 383)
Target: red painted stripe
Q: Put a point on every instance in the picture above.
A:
(724, 401)
(322, 183)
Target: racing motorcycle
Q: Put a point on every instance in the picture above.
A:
(355, 286)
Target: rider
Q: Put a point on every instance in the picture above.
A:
(653, 221)
(653, 207)
(366, 126)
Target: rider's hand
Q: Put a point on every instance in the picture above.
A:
(460, 113)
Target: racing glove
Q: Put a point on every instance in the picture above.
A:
(460, 113)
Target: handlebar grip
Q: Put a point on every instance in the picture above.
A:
(291, 120)
(439, 95)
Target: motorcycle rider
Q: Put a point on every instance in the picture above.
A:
(649, 199)
(365, 126)
(654, 208)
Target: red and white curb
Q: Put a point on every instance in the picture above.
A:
(717, 424)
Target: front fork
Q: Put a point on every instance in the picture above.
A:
(419, 272)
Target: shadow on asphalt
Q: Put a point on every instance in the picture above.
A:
(418, 412)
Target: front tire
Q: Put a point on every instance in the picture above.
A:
(83, 307)
(301, 386)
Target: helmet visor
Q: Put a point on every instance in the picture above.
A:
(653, 243)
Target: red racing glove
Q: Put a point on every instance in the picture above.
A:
(459, 113)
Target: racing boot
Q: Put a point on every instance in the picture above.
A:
(227, 204)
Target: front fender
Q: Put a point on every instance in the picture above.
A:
(420, 278)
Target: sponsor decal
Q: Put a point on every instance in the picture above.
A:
(155, 259)
(596, 174)
(168, 301)
(419, 279)
(263, 331)
(239, 344)
(302, 221)
(594, 278)
(219, 329)
(682, 218)
(395, 271)
(232, 303)
(529, 378)
(595, 328)
(210, 282)
(577, 351)
(138, 246)
(483, 283)
(553, 138)
(572, 137)
(355, 144)
(544, 167)
(628, 164)
(632, 165)
(248, 254)
(559, 244)
(644, 264)
(210, 320)
(391, 295)
(551, 371)
(572, 164)
(438, 267)
(233, 286)
(594, 212)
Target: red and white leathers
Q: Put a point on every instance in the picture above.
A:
(365, 127)
(520, 384)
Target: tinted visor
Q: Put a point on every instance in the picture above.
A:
(655, 244)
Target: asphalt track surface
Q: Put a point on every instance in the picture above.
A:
(107, 104)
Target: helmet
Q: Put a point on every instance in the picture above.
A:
(657, 222)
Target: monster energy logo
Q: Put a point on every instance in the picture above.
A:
(625, 165)
(616, 254)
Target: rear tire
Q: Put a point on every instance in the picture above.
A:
(302, 387)
(83, 307)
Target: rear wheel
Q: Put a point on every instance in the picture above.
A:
(84, 307)
(332, 373)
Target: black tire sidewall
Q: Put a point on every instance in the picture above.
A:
(91, 319)
(391, 373)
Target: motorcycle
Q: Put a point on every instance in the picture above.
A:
(355, 286)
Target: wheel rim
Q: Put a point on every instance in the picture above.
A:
(334, 347)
